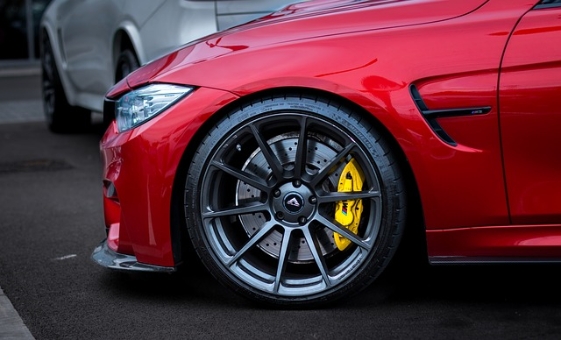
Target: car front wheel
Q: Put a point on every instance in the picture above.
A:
(294, 201)
(61, 117)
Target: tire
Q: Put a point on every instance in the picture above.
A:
(61, 117)
(126, 63)
(264, 224)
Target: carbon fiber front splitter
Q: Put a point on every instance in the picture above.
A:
(108, 258)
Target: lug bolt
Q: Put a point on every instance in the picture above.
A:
(297, 183)
(302, 220)
(280, 215)
(313, 200)
(277, 193)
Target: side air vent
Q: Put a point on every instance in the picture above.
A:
(432, 115)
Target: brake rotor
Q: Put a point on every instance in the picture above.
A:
(320, 152)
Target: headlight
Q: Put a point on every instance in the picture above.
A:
(138, 106)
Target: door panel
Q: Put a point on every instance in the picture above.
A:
(86, 37)
(530, 114)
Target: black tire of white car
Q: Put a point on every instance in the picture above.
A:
(126, 63)
(61, 117)
(294, 227)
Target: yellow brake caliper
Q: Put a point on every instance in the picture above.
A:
(348, 212)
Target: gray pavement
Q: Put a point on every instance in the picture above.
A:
(21, 111)
(17, 111)
(20, 106)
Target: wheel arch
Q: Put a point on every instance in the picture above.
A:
(123, 40)
(414, 236)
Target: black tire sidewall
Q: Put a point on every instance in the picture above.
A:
(64, 117)
(127, 60)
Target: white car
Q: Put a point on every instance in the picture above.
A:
(88, 45)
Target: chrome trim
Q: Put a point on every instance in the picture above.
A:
(108, 258)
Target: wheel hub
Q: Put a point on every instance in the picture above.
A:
(291, 204)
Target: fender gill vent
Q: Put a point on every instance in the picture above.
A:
(431, 116)
(34, 165)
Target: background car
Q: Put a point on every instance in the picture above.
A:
(86, 46)
(294, 153)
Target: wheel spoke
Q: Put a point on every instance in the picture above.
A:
(48, 75)
(48, 91)
(345, 196)
(332, 163)
(265, 229)
(48, 60)
(283, 258)
(302, 150)
(336, 227)
(316, 253)
(271, 158)
(254, 181)
(237, 210)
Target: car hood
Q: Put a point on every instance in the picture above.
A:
(381, 13)
(303, 21)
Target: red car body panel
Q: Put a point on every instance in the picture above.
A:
(480, 198)
(530, 86)
(531, 243)
(141, 164)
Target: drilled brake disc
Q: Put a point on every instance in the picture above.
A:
(320, 152)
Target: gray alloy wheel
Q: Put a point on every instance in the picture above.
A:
(266, 202)
(61, 117)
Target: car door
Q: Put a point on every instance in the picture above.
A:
(85, 30)
(530, 116)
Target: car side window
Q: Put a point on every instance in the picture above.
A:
(548, 3)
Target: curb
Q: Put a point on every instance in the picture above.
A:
(20, 71)
(11, 324)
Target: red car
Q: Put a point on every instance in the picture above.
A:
(294, 152)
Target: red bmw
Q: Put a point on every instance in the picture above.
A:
(292, 152)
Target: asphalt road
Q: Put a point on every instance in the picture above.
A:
(51, 219)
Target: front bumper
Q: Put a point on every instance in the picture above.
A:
(139, 176)
(108, 258)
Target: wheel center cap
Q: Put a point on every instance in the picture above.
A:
(293, 202)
